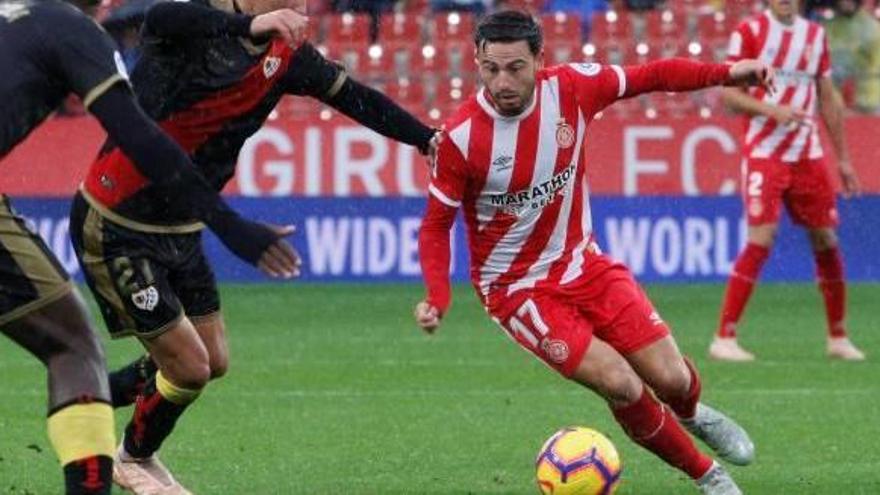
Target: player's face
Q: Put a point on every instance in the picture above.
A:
(783, 9)
(508, 72)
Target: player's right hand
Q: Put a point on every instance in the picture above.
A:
(280, 260)
(427, 317)
(287, 24)
(789, 117)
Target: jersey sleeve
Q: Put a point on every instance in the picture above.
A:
(448, 177)
(86, 57)
(741, 44)
(310, 74)
(598, 85)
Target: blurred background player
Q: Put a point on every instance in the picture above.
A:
(513, 158)
(854, 40)
(47, 50)
(226, 65)
(785, 166)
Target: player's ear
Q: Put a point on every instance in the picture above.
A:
(539, 59)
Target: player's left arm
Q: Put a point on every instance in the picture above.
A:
(310, 74)
(680, 75)
(831, 109)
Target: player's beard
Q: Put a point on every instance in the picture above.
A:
(511, 103)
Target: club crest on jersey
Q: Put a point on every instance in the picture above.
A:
(270, 66)
(564, 135)
(146, 299)
(556, 350)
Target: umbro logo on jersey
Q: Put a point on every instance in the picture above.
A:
(502, 163)
(270, 66)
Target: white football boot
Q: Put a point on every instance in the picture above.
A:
(718, 482)
(144, 476)
(728, 439)
(728, 349)
(842, 348)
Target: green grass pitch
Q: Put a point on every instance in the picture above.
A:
(332, 390)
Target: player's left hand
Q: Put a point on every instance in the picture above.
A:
(433, 147)
(427, 316)
(280, 260)
(849, 179)
(753, 73)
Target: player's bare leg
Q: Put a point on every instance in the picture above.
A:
(647, 421)
(677, 383)
(212, 331)
(80, 420)
(742, 282)
(832, 285)
(184, 371)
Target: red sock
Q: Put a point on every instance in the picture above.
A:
(829, 272)
(651, 425)
(686, 407)
(739, 287)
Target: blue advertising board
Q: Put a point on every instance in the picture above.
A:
(661, 238)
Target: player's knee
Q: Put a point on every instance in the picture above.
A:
(764, 235)
(822, 239)
(219, 365)
(192, 374)
(672, 382)
(620, 385)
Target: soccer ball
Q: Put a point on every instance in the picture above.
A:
(578, 461)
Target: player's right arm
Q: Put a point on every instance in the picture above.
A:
(743, 46)
(84, 57)
(187, 19)
(448, 181)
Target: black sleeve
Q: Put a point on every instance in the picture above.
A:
(310, 74)
(84, 55)
(162, 161)
(191, 19)
(378, 112)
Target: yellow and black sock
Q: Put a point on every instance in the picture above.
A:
(82, 436)
(155, 415)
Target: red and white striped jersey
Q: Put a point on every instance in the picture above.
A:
(799, 53)
(521, 181)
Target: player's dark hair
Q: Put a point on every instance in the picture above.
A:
(508, 26)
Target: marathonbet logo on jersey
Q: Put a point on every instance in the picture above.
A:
(535, 197)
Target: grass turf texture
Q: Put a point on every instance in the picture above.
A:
(333, 390)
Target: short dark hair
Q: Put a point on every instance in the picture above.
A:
(509, 26)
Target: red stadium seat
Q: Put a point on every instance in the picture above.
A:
(561, 26)
(452, 28)
(408, 93)
(417, 6)
(431, 60)
(401, 28)
(533, 6)
(610, 26)
(348, 29)
(664, 24)
(557, 51)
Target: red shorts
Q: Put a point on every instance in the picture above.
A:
(557, 323)
(804, 187)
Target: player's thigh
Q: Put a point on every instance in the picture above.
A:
(764, 185)
(547, 326)
(194, 283)
(661, 365)
(621, 312)
(30, 275)
(608, 373)
(180, 355)
(811, 201)
(128, 274)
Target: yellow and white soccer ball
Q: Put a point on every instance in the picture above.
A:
(578, 461)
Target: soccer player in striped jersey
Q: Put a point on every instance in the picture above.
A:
(513, 159)
(784, 164)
